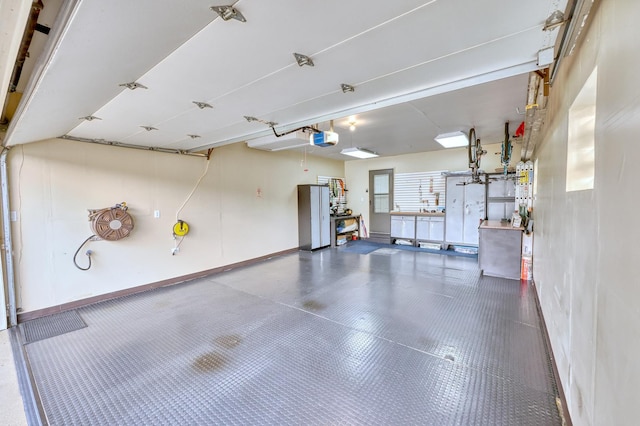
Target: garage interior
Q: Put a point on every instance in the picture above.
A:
(153, 263)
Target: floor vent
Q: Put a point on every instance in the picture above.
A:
(51, 326)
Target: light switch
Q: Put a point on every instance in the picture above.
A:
(156, 214)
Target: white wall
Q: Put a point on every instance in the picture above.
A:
(53, 183)
(587, 243)
(453, 160)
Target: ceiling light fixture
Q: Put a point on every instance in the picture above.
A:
(202, 105)
(452, 140)
(359, 153)
(352, 123)
(347, 88)
(554, 20)
(303, 59)
(133, 85)
(228, 12)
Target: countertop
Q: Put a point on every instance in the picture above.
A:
(417, 214)
(338, 217)
(497, 224)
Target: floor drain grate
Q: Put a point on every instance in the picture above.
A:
(51, 326)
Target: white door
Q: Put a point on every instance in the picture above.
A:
(325, 233)
(423, 228)
(474, 206)
(314, 201)
(436, 229)
(454, 213)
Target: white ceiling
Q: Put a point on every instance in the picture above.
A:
(419, 68)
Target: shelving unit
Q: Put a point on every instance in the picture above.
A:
(501, 196)
(341, 236)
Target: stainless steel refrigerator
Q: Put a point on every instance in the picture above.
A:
(313, 216)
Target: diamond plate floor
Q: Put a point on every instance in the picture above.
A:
(328, 337)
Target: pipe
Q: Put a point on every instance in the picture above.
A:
(8, 244)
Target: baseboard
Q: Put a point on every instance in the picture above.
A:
(26, 316)
(564, 409)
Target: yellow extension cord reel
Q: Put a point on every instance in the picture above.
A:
(181, 228)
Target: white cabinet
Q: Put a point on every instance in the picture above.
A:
(430, 228)
(313, 216)
(465, 209)
(403, 227)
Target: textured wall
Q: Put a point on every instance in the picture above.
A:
(53, 183)
(586, 242)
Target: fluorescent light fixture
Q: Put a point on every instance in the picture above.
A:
(452, 140)
(359, 153)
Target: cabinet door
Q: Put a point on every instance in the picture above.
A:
(314, 201)
(454, 209)
(474, 206)
(403, 227)
(436, 229)
(325, 213)
(423, 228)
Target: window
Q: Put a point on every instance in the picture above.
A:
(581, 140)
(381, 193)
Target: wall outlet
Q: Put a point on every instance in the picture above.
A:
(156, 214)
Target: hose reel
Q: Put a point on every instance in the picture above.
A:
(112, 223)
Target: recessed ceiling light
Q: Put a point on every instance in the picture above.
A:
(359, 153)
(452, 140)
(303, 59)
(228, 12)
